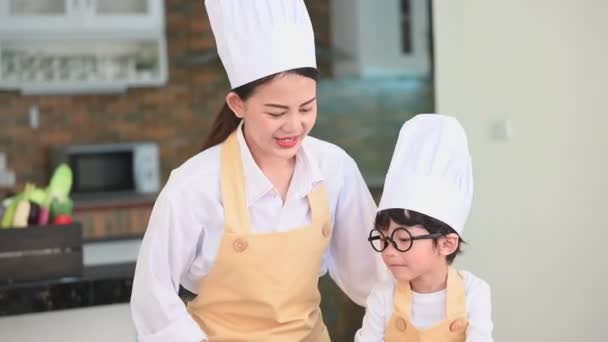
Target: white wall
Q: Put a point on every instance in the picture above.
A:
(538, 231)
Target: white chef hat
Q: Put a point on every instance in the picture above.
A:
(431, 170)
(258, 38)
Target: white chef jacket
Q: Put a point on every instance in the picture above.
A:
(428, 309)
(187, 222)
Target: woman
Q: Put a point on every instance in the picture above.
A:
(251, 222)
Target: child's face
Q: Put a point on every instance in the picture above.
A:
(423, 257)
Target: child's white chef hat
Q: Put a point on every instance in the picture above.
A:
(431, 170)
(258, 38)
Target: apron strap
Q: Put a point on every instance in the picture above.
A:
(456, 306)
(232, 182)
(319, 206)
(232, 185)
(402, 302)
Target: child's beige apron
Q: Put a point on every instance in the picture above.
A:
(452, 329)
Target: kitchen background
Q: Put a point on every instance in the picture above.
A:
(526, 79)
(362, 98)
(126, 71)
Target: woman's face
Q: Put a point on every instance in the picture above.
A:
(278, 115)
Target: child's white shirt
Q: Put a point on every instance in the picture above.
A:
(429, 309)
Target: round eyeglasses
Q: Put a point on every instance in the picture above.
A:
(401, 239)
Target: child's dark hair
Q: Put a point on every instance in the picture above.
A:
(410, 218)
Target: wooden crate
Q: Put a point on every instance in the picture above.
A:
(40, 253)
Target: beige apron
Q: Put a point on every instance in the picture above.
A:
(263, 287)
(452, 329)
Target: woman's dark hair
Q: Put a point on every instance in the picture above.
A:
(226, 121)
(411, 218)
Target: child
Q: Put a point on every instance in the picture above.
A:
(426, 201)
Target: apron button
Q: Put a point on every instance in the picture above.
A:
(401, 325)
(325, 231)
(239, 245)
(458, 325)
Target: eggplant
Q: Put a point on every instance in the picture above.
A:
(34, 215)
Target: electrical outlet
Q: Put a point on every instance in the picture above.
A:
(500, 130)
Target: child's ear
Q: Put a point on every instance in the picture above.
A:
(448, 244)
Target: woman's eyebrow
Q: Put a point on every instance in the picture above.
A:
(308, 102)
(276, 105)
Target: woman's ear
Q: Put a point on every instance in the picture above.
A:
(236, 104)
(448, 244)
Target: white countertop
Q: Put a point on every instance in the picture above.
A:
(92, 324)
(111, 252)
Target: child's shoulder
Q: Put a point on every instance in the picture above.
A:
(382, 292)
(385, 285)
(473, 284)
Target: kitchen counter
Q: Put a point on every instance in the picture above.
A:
(91, 308)
(91, 324)
(106, 279)
(70, 309)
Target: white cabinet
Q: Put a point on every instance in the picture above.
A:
(79, 65)
(75, 46)
(46, 16)
(34, 15)
(132, 15)
(392, 40)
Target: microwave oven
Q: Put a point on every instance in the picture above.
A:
(111, 169)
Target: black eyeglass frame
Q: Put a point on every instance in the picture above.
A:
(390, 239)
